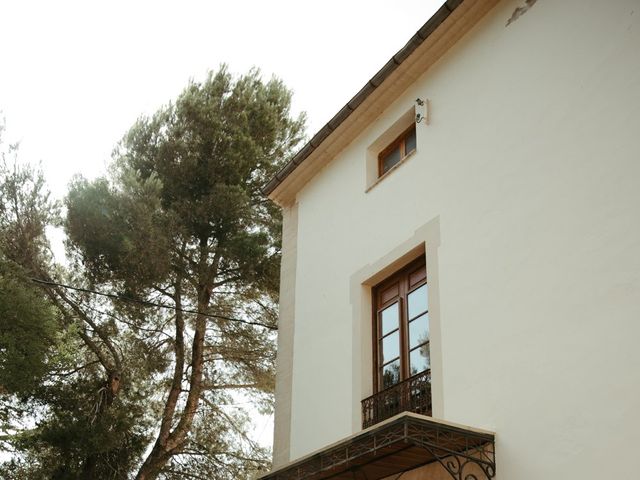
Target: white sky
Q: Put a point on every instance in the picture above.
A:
(75, 75)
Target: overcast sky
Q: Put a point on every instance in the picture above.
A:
(75, 75)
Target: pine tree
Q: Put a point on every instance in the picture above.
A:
(181, 221)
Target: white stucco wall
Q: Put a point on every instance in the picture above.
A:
(527, 180)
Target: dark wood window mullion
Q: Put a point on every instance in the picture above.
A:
(404, 344)
(391, 332)
(418, 315)
(404, 333)
(381, 350)
(417, 347)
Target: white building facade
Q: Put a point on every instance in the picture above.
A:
(499, 154)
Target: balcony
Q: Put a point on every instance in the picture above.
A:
(411, 395)
(398, 445)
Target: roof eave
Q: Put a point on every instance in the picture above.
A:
(276, 189)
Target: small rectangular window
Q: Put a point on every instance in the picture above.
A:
(397, 151)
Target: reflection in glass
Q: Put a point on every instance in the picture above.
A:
(390, 347)
(391, 374)
(410, 142)
(389, 318)
(391, 159)
(418, 301)
(419, 330)
(419, 359)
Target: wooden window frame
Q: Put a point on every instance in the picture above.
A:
(400, 142)
(402, 277)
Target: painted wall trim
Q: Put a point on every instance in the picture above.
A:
(286, 332)
(425, 240)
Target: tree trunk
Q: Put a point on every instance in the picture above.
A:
(170, 442)
(166, 445)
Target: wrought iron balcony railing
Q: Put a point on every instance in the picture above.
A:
(412, 395)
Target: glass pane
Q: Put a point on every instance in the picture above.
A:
(419, 330)
(418, 301)
(391, 374)
(391, 159)
(410, 142)
(389, 318)
(419, 359)
(390, 347)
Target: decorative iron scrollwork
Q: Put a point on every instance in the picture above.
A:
(461, 463)
(465, 454)
(411, 395)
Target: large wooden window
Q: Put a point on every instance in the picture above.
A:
(401, 326)
(397, 151)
